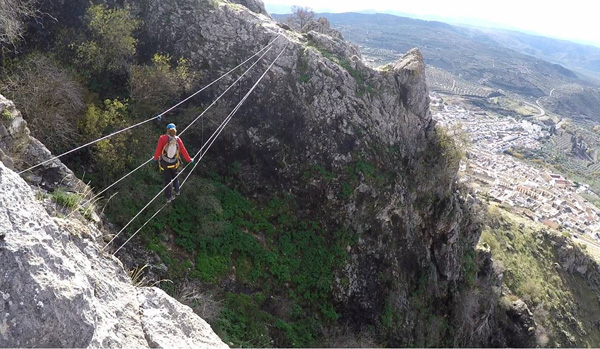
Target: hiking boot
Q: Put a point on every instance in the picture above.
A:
(169, 199)
(177, 193)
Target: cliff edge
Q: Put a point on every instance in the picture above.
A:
(60, 290)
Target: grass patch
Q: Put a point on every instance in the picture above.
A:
(68, 200)
(318, 172)
(260, 246)
(532, 273)
(242, 323)
(7, 115)
(470, 267)
(303, 67)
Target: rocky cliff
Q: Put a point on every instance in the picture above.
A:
(19, 150)
(391, 181)
(548, 282)
(355, 151)
(58, 288)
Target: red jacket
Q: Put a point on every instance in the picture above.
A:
(162, 141)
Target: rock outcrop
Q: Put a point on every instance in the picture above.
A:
(256, 6)
(19, 150)
(59, 289)
(321, 105)
(392, 186)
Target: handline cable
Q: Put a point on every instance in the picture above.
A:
(202, 152)
(222, 76)
(224, 92)
(140, 228)
(107, 188)
(87, 144)
(166, 186)
(144, 208)
(226, 121)
(210, 106)
(152, 118)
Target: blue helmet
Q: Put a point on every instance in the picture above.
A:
(171, 126)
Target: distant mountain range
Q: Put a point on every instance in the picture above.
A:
(532, 66)
(573, 55)
(460, 21)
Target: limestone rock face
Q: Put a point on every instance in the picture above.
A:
(59, 290)
(256, 6)
(520, 329)
(323, 26)
(19, 150)
(191, 331)
(321, 105)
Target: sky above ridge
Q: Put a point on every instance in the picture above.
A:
(575, 20)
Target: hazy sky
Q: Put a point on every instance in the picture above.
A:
(572, 19)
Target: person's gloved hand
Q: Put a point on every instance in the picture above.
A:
(154, 160)
(191, 162)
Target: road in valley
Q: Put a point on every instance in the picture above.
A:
(538, 107)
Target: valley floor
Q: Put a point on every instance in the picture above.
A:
(496, 172)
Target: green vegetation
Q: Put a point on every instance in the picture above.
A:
(390, 317)
(469, 267)
(264, 246)
(354, 173)
(243, 323)
(357, 74)
(530, 259)
(67, 200)
(111, 155)
(302, 66)
(452, 143)
(304, 78)
(98, 119)
(6, 115)
(363, 86)
(318, 172)
(152, 87)
(112, 46)
(49, 97)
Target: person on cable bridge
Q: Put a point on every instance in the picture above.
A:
(168, 151)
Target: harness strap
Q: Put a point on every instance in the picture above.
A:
(173, 166)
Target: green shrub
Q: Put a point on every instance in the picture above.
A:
(153, 87)
(453, 144)
(347, 190)
(469, 267)
(319, 172)
(304, 78)
(68, 200)
(211, 268)
(49, 97)
(112, 44)
(242, 323)
(6, 115)
(111, 155)
(390, 317)
(262, 245)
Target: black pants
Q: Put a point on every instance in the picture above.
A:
(168, 175)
